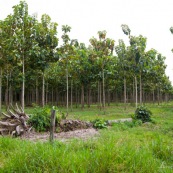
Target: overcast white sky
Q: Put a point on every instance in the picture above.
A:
(150, 18)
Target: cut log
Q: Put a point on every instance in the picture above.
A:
(14, 122)
(15, 110)
(3, 131)
(6, 115)
(110, 122)
(7, 124)
(19, 130)
(12, 114)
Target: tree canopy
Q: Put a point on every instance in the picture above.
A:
(35, 69)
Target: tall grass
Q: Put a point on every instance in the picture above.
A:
(122, 152)
(124, 147)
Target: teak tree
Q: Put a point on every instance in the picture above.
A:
(46, 37)
(122, 53)
(137, 55)
(23, 39)
(66, 52)
(103, 50)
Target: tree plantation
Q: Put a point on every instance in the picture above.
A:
(34, 69)
(66, 106)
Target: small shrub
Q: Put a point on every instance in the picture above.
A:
(143, 113)
(40, 119)
(99, 124)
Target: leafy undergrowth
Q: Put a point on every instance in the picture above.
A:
(125, 147)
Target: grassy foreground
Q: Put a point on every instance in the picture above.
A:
(125, 147)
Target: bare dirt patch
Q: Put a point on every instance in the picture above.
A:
(63, 136)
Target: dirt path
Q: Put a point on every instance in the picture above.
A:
(63, 136)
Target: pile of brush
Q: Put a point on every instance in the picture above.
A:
(14, 122)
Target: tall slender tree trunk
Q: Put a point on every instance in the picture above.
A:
(89, 95)
(125, 99)
(33, 96)
(161, 97)
(47, 88)
(10, 95)
(78, 98)
(82, 96)
(143, 96)
(103, 91)
(0, 90)
(52, 96)
(94, 100)
(57, 96)
(6, 92)
(136, 89)
(140, 89)
(98, 94)
(166, 97)
(67, 89)
(71, 95)
(108, 97)
(36, 92)
(100, 97)
(133, 91)
(23, 82)
(43, 90)
(153, 97)
(76, 92)
(10, 91)
(158, 96)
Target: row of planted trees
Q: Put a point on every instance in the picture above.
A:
(34, 69)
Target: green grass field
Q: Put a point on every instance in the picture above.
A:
(124, 147)
(114, 111)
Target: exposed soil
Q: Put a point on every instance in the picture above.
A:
(63, 136)
(69, 129)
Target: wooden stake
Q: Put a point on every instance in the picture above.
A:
(52, 125)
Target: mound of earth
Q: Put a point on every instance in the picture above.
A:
(71, 125)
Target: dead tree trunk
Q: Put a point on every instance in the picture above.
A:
(14, 122)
